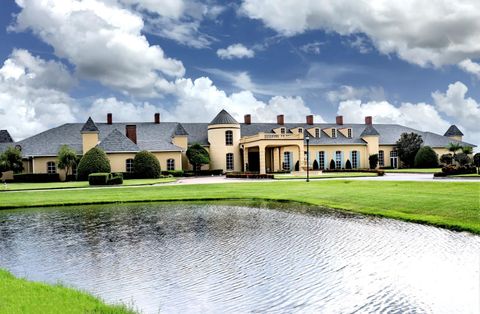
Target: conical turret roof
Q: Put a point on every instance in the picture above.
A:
(453, 131)
(89, 126)
(223, 117)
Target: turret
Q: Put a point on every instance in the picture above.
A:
(454, 133)
(89, 135)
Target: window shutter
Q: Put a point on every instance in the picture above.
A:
(359, 165)
(341, 160)
(325, 160)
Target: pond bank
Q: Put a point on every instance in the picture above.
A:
(452, 205)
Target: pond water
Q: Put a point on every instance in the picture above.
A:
(181, 258)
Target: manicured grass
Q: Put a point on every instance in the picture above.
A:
(454, 205)
(79, 184)
(328, 175)
(22, 296)
(414, 170)
(470, 175)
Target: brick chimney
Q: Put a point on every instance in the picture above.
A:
(247, 119)
(109, 118)
(310, 119)
(157, 118)
(280, 119)
(131, 132)
(368, 120)
(339, 120)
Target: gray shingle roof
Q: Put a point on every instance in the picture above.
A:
(453, 131)
(5, 137)
(223, 117)
(369, 131)
(180, 130)
(197, 133)
(117, 142)
(89, 126)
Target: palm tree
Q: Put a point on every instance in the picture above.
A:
(467, 150)
(454, 147)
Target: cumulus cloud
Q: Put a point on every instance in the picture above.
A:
(33, 94)
(313, 47)
(422, 32)
(103, 42)
(471, 67)
(235, 51)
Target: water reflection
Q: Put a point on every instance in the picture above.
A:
(218, 258)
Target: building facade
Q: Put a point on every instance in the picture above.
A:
(233, 146)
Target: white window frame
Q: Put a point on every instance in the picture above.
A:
(354, 159)
(349, 133)
(129, 165)
(334, 133)
(338, 159)
(283, 131)
(51, 167)
(170, 164)
(381, 158)
(317, 132)
(286, 161)
(229, 161)
(229, 137)
(321, 160)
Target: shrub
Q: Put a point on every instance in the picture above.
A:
(146, 165)
(453, 170)
(116, 178)
(297, 166)
(36, 177)
(348, 164)
(173, 173)
(463, 159)
(446, 159)
(476, 161)
(315, 165)
(373, 161)
(98, 178)
(94, 161)
(197, 156)
(332, 164)
(214, 172)
(408, 146)
(11, 160)
(426, 158)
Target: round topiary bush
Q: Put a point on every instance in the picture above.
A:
(426, 158)
(146, 165)
(94, 161)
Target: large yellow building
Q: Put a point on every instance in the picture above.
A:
(233, 146)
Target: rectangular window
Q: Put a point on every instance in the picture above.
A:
(51, 168)
(286, 161)
(381, 158)
(334, 133)
(228, 137)
(317, 133)
(338, 159)
(349, 131)
(170, 164)
(354, 159)
(282, 130)
(300, 130)
(229, 158)
(321, 160)
(129, 165)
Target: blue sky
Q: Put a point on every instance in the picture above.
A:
(66, 60)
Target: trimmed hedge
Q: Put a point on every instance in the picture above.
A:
(452, 170)
(146, 165)
(94, 161)
(246, 175)
(378, 172)
(173, 173)
(105, 178)
(426, 158)
(36, 177)
(214, 172)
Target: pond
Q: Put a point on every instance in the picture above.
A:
(225, 258)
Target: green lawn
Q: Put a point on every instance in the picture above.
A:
(22, 296)
(453, 205)
(413, 170)
(327, 175)
(471, 175)
(79, 184)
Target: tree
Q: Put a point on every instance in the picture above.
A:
(476, 161)
(373, 161)
(67, 158)
(463, 159)
(332, 164)
(197, 156)
(454, 147)
(408, 146)
(467, 150)
(446, 159)
(315, 165)
(426, 158)
(297, 166)
(11, 160)
(94, 161)
(146, 165)
(348, 164)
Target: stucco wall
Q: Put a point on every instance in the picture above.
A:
(40, 166)
(218, 149)
(89, 140)
(330, 151)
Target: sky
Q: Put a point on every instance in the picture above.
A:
(414, 62)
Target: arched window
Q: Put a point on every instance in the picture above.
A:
(170, 164)
(51, 167)
(354, 159)
(381, 158)
(228, 137)
(129, 165)
(229, 159)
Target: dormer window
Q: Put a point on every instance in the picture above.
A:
(349, 132)
(282, 130)
(317, 132)
(334, 133)
(300, 130)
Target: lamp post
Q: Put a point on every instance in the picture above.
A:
(307, 138)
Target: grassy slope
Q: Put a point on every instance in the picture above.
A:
(449, 204)
(79, 184)
(22, 296)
